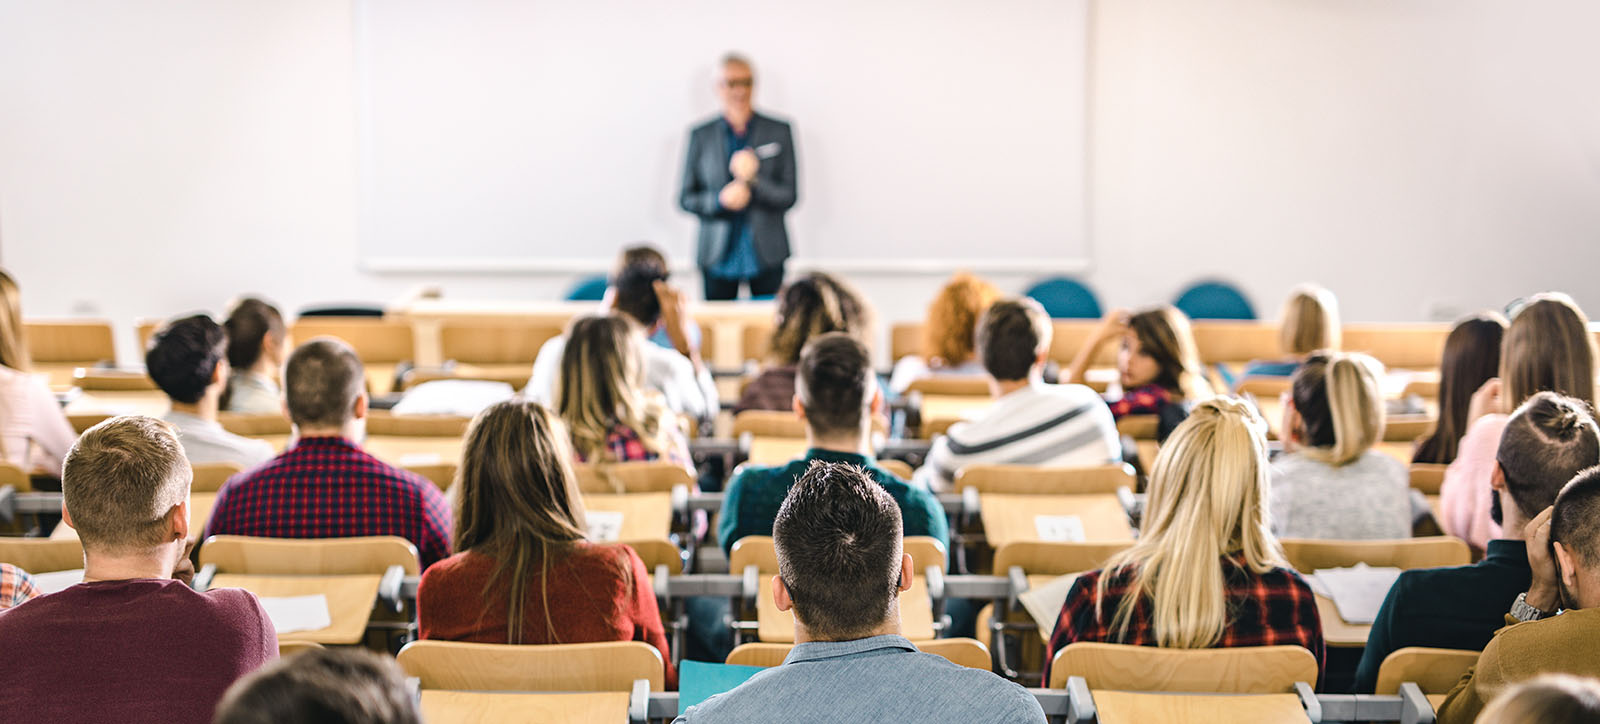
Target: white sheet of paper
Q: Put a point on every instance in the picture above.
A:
(1059, 528)
(298, 613)
(425, 458)
(605, 526)
(57, 580)
(1358, 592)
(1044, 603)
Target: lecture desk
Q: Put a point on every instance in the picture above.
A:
(1117, 707)
(1336, 632)
(1011, 518)
(452, 707)
(350, 601)
(645, 516)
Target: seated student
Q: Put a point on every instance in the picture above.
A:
(1547, 346)
(1309, 322)
(1548, 699)
(1330, 482)
(326, 686)
(257, 343)
(524, 573)
(808, 305)
(1547, 441)
(34, 432)
(1030, 422)
(607, 410)
(643, 298)
(1553, 627)
(836, 395)
(1158, 366)
(325, 485)
(652, 257)
(840, 569)
(186, 360)
(1206, 571)
(947, 345)
(16, 586)
(1471, 358)
(132, 642)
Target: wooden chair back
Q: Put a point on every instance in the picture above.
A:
(255, 425)
(86, 342)
(41, 555)
(382, 422)
(1139, 427)
(209, 477)
(462, 666)
(1398, 345)
(376, 340)
(1435, 671)
(1263, 387)
(1070, 335)
(898, 468)
(1244, 670)
(755, 341)
(16, 477)
(905, 339)
(143, 329)
(442, 473)
(1406, 428)
(309, 556)
(957, 385)
(500, 341)
(1306, 556)
(970, 653)
(95, 378)
(658, 551)
(758, 551)
(290, 648)
(1043, 480)
(1229, 341)
(1054, 559)
(654, 476)
(1427, 477)
(82, 421)
(769, 423)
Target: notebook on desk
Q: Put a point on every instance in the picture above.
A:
(698, 681)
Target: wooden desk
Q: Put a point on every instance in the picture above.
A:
(1010, 518)
(350, 601)
(1115, 707)
(447, 707)
(776, 450)
(200, 506)
(774, 626)
(119, 402)
(954, 407)
(645, 516)
(396, 450)
(1336, 632)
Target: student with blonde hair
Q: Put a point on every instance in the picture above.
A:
(525, 572)
(1549, 699)
(1547, 346)
(1330, 482)
(1158, 365)
(1309, 322)
(603, 402)
(1206, 571)
(949, 345)
(34, 432)
(810, 305)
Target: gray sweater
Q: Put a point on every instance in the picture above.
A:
(1363, 500)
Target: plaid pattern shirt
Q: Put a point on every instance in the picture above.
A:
(1276, 608)
(625, 446)
(16, 586)
(1146, 400)
(328, 487)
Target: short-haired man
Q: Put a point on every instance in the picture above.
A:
(132, 642)
(330, 686)
(325, 485)
(187, 361)
(1547, 441)
(1030, 422)
(841, 568)
(643, 296)
(256, 342)
(1554, 627)
(836, 393)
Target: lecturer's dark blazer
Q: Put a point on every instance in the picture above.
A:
(705, 172)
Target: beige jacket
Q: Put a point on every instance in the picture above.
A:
(1520, 651)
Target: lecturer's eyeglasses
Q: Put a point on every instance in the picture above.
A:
(739, 82)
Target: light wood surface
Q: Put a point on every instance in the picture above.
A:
(1427, 477)
(960, 651)
(769, 423)
(776, 450)
(1336, 632)
(1010, 518)
(758, 551)
(1242, 670)
(94, 378)
(644, 515)
(654, 476)
(1435, 671)
(78, 341)
(1127, 707)
(916, 614)
(1049, 560)
(462, 707)
(200, 507)
(397, 450)
(1405, 553)
(119, 402)
(963, 385)
(603, 666)
(951, 408)
(309, 556)
(36, 555)
(657, 551)
(1044, 480)
(290, 648)
(350, 601)
(209, 477)
(384, 423)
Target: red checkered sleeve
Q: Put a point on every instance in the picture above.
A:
(16, 586)
(1146, 400)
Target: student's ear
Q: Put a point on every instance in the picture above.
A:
(359, 411)
(799, 408)
(1565, 565)
(67, 517)
(219, 372)
(780, 594)
(907, 571)
(1043, 357)
(877, 400)
(1497, 478)
(1292, 423)
(178, 521)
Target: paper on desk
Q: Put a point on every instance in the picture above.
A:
(425, 458)
(298, 613)
(605, 526)
(1059, 528)
(1044, 603)
(1357, 592)
(57, 580)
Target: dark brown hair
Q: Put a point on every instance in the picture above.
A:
(252, 324)
(838, 541)
(834, 383)
(1471, 357)
(1164, 335)
(1011, 336)
(813, 304)
(1576, 520)
(1549, 439)
(325, 686)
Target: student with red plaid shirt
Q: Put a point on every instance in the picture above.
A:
(16, 586)
(603, 401)
(1187, 586)
(325, 485)
(1158, 365)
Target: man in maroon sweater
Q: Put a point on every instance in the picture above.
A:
(133, 642)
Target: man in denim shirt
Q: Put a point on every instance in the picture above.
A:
(841, 568)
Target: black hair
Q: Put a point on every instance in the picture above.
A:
(636, 292)
(183, 356)
(838, 541)
(1010, 336)
(833, 382)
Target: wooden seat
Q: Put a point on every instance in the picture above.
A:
(1435, 671)
(605, 666)
(769, 423)
(290, 648)
(654, 476)
(309, 556)
(938, 412)
(1427, 477)
(381, 422)
(1244, 670)
(1139, 427)
(1309, 555)
(40, 555)
(255, 425)
(16, 477)
(1038, 558)
(956, 385)
(905, 339)
(960, 651)
(94, 378)
(1044, 480)
(209, 477)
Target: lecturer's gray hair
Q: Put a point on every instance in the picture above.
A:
(735, 58)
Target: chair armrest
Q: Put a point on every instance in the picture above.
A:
(389, 588)
(1308, 699)
(1414, 706)
(8, 503)
(750, 585)
(1080, 709)
(662, 583)
(639, 702)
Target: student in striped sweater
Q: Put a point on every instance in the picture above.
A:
(1030, 422)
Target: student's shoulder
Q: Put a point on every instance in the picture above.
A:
(1000, 700)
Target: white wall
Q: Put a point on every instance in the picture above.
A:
(1420, 157)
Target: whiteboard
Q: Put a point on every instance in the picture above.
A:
(497, 135)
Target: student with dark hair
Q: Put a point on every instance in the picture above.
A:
(325, 485)
(1553, 627)
(1158, 365)
(186, 360)
(325, 686)
(809, 305)
(841, 568)
(1471, 358)
(256, 348)
(1030, 422)
(1546, 442)
(641, 295)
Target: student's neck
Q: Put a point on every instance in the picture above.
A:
(150, 564)
(1001, 388)
(890, 627)
(852, 444)
(348, 432)
(1511, 520)
(263, 368)
(205, 409)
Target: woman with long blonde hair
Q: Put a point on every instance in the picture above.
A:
(603, 401)
(1206, 570)
(525, 572)
(34, 432)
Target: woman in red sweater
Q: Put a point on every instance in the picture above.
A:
(524, 573)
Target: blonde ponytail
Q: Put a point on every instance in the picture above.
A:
(1340, 404)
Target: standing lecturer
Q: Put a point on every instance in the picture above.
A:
(739, 178)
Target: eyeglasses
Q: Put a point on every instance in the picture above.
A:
(739, 82)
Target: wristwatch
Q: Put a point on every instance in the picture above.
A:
(1521, 611)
